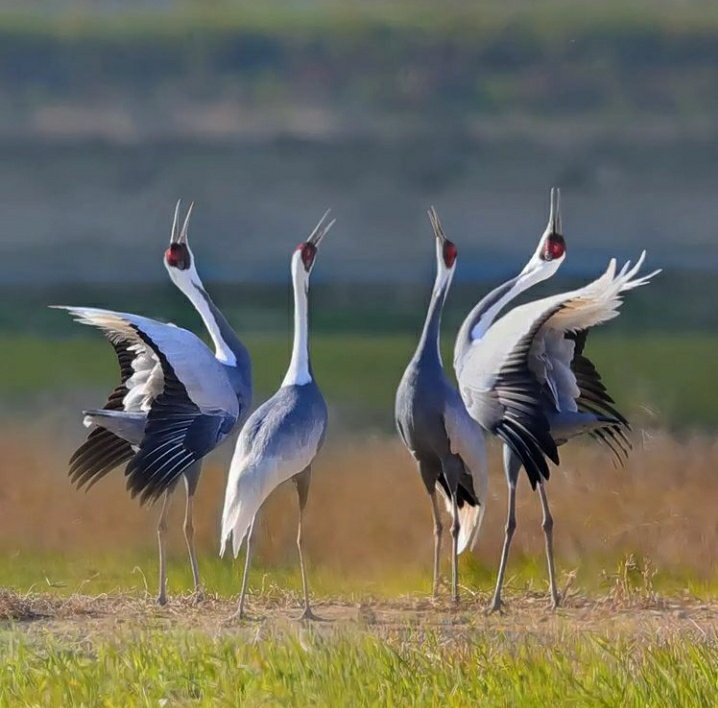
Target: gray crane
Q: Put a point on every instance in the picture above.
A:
(283, 436)
(433, 423)
(526, 379)
(175, 403)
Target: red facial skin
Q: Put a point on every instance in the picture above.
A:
(177, 256)
(555, 247)
(308, 253)
(450, 253)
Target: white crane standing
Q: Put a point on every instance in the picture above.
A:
(283, 436)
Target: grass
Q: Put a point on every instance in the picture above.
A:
(658, 379)
(636, 550)
(100, 651)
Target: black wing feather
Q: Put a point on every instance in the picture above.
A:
(177, 435)
(524, 426)
(595, 399)
(103, 450)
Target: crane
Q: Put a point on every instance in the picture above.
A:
(282, 437)
(447, 444)
(176, 400)
(526, 379)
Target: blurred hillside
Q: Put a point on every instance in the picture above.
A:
(267, 113)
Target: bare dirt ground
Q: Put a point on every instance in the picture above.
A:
(640, 618)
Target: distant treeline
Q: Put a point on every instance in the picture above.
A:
(669, 304)
(455, 59)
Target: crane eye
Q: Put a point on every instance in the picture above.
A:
(308, 252)
(450, 253)
(178, 256)
(555, 247)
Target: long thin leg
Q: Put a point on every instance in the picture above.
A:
(302, 481)
(455, 528)
(438, 528)
(512, 467)
(191, 478)
(161, 531)
(547, 525)
(245, 575)
(189, 538)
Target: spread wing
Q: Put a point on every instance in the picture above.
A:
(189, 400)
(525, 366)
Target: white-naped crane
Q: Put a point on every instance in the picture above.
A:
(282, 437)
(526, 379)
(447, 444)
(176, 401)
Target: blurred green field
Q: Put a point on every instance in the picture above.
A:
(658, 379)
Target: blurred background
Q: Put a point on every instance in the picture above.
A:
(265, 114)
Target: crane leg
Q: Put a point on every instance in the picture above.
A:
(189, 538)
(161, 531)
(191, 479)
(455, 528)
(302, 481)
(547, 525)
(512, 467)
(245, 576)
(438, 528)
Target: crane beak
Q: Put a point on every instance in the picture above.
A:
(175, 223)
(436, 225)
(179, 235)
(321, 230)
(554, 217)
(182, 238)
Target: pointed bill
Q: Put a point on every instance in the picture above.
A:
(175, 222)
(321, 229)
(436, 225)
(554, 217)
(182, 238)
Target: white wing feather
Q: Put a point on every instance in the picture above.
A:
(549, 358)
(194, 364)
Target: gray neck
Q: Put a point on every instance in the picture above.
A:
(428, 350)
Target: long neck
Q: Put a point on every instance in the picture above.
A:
(429, 349)
(484, 313)
(228, 349)
(300, 368)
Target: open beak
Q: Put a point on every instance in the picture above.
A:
(436, 225)
(180, 235)
(320, 230)
(554, 217)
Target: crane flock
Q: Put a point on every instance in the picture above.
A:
(521, 374)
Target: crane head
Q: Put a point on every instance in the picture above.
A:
(179, 255)
(307, 250)
(551, 249)
(446, 250)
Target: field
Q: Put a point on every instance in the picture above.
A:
(637, 551)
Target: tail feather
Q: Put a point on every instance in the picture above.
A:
(470, 517)
(243, 499)
(128, 426)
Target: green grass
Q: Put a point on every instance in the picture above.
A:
(308, 669)
(658, 379)
(136, 574)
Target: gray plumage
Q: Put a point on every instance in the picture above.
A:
(435, 427)
(283, 436)
(176, 400)
(526, 379)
